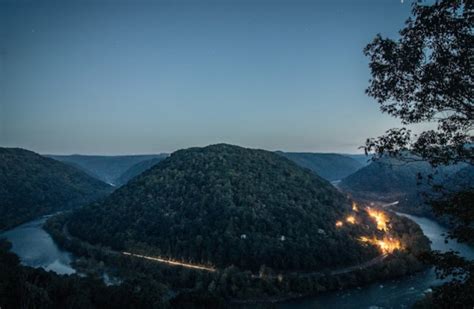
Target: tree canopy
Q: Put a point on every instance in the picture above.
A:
(426, 76)
(226, 205)
(32, 185)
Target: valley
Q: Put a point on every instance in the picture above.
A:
(236, 154)
(117, 239)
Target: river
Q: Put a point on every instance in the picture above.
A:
(401, 293)
(37, 249)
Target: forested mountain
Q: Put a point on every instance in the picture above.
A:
(224, 205)
(392, 178)
(462, 179)
(137, 169)
(411, 183)
(387, 177)
(330, 166)
(105, 168)
(33, 185)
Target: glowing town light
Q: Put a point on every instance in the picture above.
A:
(351, 219)
(339, 223)
(386, 244)
(354, 207)
(379, 217)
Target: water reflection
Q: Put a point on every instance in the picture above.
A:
(436, 233)
(36, 248)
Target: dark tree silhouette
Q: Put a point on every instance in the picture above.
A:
(426, 76)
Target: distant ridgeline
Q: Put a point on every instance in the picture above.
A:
(330, 166)
(118, 170)
(109, 168)
(225, 205)
(137, 169)
(391, 179)
(32, 185)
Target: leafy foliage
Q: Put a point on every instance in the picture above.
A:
(32, 185)
(426, 76)
(225, 205)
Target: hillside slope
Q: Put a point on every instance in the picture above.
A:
(105, 168)
(330, 166)
(394, 178)
(361, 158)
(136, 170)
(411, 184)
(386, 177)
(225, 205)
(32, 185)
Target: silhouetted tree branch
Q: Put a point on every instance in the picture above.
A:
(426, 76)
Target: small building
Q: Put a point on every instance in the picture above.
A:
(282, 238)
(321, 231)
(243, 236)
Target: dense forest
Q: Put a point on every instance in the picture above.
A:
(189, 288)
(105, 168)
(32, 185)
(225, 205)
(330, 166)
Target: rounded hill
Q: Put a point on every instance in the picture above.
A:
(32, 185)
(226, 205)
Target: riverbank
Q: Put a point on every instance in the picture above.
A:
(37, 249)
(403, 292)
(243, 287)
(249, 290)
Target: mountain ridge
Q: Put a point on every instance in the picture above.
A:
(214, 205)
(33, 185)
(330, 166)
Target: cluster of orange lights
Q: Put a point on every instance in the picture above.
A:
(351, 219)
(379, 217)
(354, 207)
(387, 244)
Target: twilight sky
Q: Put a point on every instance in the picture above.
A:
(117, 77)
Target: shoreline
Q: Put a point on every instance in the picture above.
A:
(330, 281)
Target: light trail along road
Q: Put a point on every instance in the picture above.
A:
(344, 270)
(170, 262)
